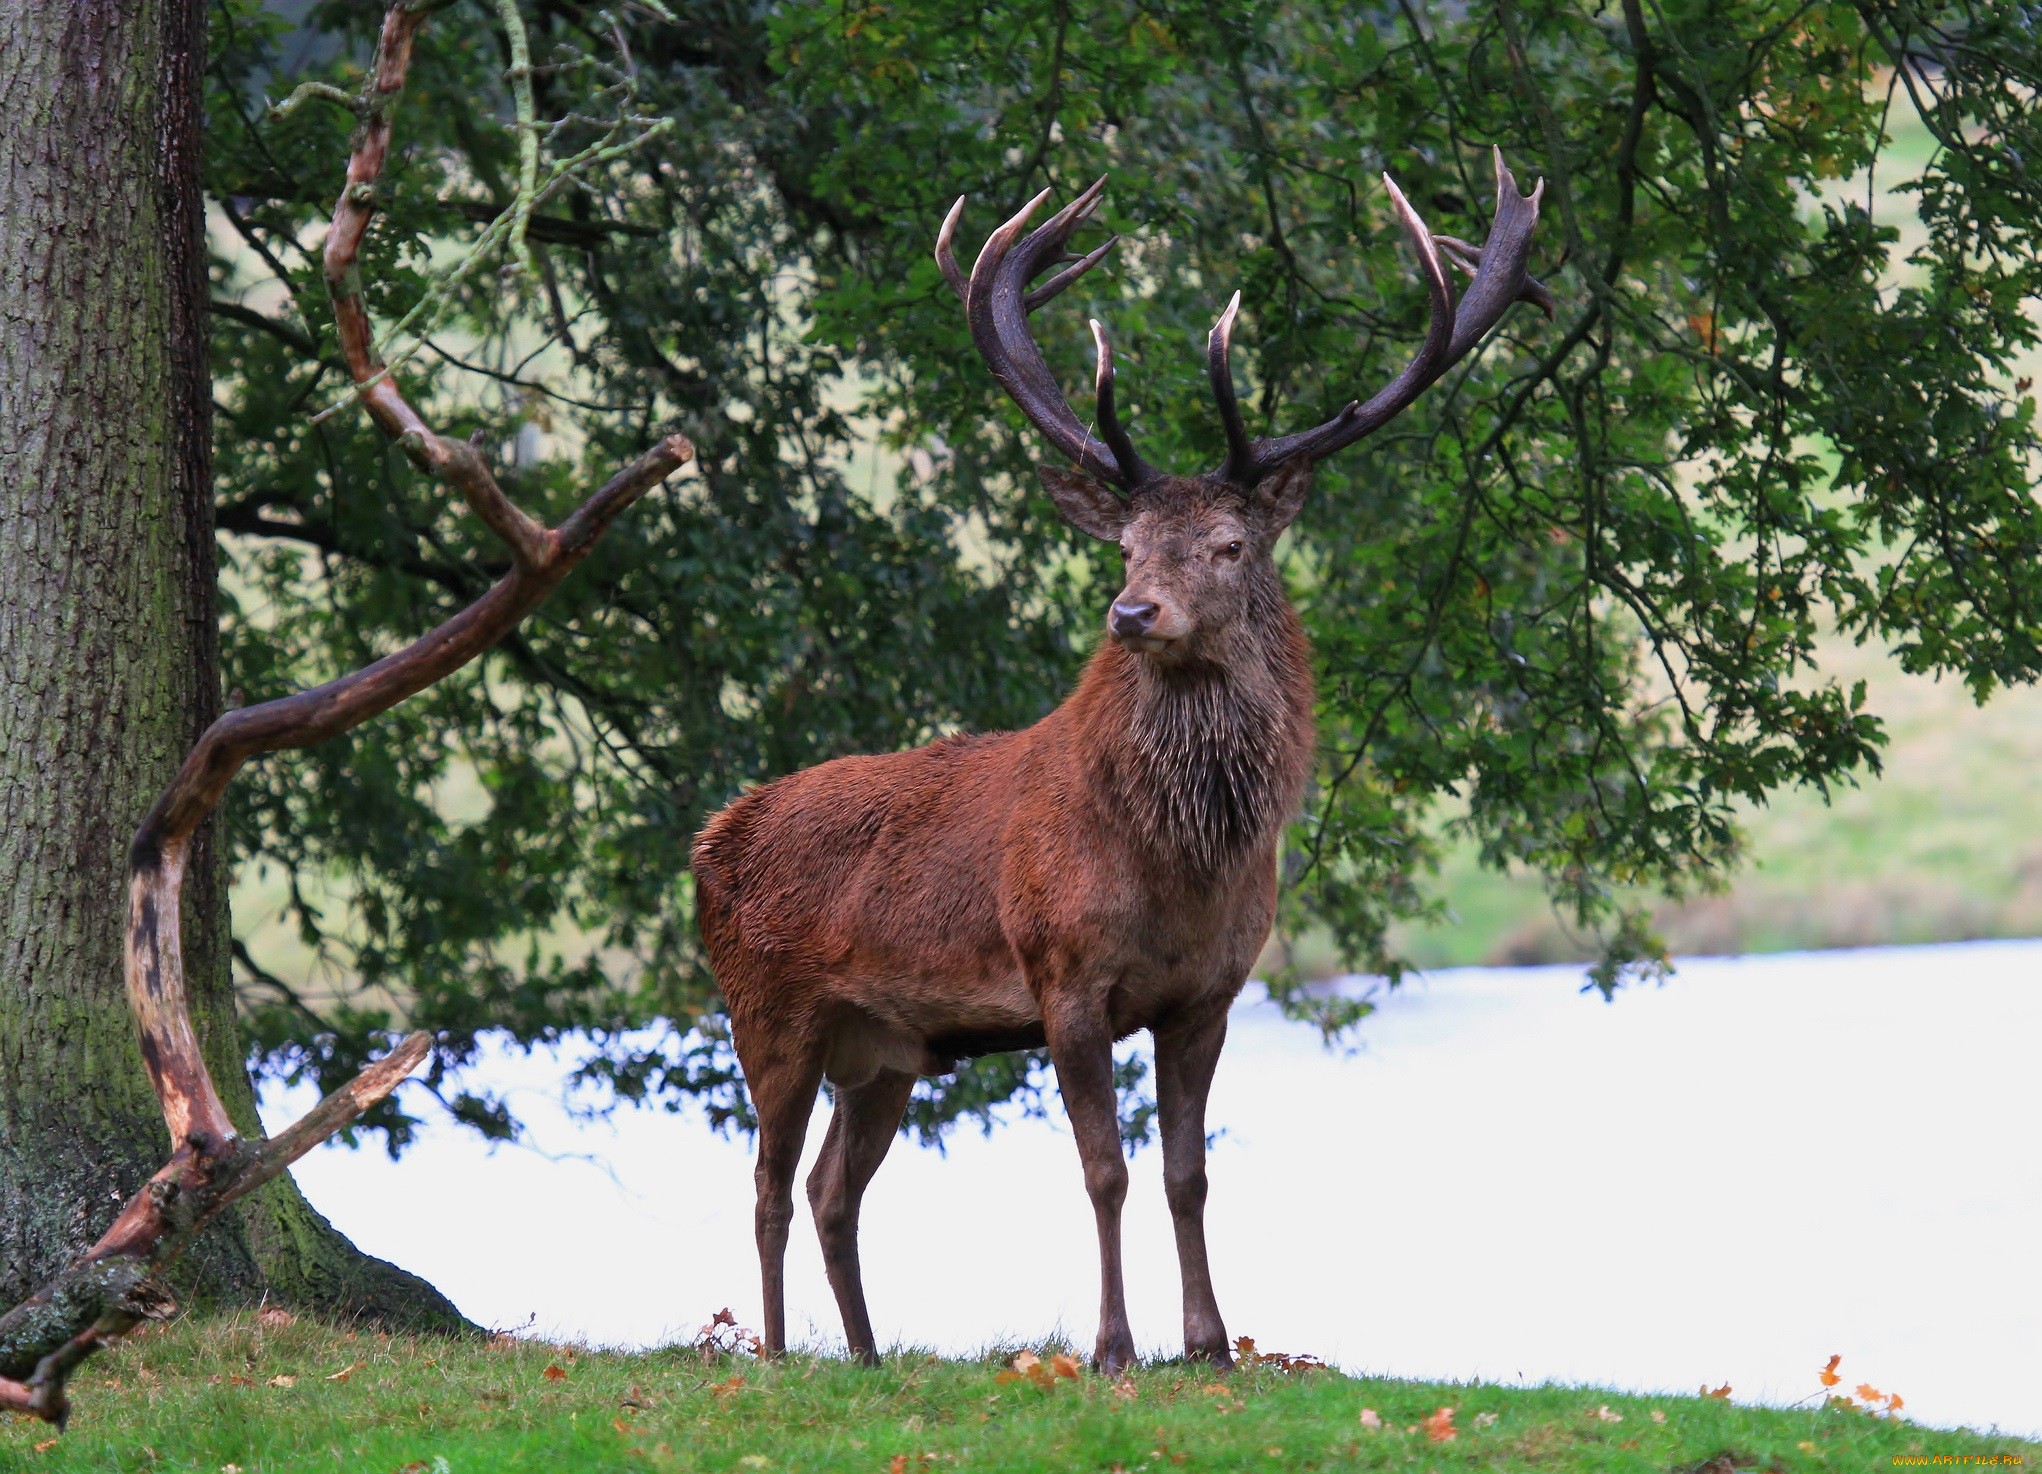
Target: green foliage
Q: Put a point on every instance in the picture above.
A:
(1575, 591)
(202, 1395)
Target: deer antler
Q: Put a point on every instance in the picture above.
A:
(110, 1288)
(997, 302)
(1498, 269)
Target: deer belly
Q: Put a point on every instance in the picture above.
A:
(923, 1024)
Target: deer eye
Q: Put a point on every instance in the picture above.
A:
(1232, 549)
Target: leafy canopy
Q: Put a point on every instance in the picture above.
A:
(1570, 598)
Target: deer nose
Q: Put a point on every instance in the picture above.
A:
(1133, 617)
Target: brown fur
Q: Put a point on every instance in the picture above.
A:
(1109, 869)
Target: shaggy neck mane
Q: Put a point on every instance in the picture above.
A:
(1205, 759)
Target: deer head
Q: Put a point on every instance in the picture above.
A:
(1198, 549)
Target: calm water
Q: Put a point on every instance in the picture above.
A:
(1726, 1179)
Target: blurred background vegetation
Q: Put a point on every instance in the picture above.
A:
(1608, 627)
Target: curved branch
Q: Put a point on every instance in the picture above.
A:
(111, 1287)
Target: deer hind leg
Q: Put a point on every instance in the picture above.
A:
(1186, 1052)
(861, 1130)
(1081, 1046)
(782, 1076)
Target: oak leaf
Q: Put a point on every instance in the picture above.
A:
(555, 1372)
(1828, 1373)
(1064, 1366)
(1440, 1426)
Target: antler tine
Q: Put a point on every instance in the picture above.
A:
(946, 262)
(1358, 419)
(997, 302)
(1109, 423)
(1068, 275)
(1219, 347)
(1499, 273)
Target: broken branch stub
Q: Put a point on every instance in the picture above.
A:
(110, 1288)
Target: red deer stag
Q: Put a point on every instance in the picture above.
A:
(1111, 868)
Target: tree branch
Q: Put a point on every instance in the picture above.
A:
(111, 1287)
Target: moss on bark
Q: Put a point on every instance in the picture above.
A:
(109, 662)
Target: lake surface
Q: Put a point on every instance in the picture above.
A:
(1729, 1178)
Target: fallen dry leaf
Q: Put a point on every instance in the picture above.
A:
(283, 1379)
(1604, 1415)
(1721, 1394)
(1868, 1393)
(1828, 1373)
(1895, 1402)
(1487, 1420)
(1124, 1389)
(274, 1318)
(1371, 1420)
(755, 1461)
(240, 1381)
(345, 1372)
(49, 1443)
(1440, 1426)
(1026, 1365)
(1247, 1355)
(1658, 1416)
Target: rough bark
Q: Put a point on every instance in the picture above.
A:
(108, 650)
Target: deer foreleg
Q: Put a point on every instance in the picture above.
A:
(1081, 1046)
(861, 1130)
(1186, 1052)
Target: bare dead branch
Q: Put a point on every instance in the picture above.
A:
(111, 1287)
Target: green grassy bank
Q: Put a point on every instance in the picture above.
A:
(1945, 846)
(241, 1396)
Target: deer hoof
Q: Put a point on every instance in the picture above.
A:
(1113, 1358)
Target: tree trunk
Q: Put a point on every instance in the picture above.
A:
(109, 661)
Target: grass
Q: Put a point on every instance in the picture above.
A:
(261, 1395)
(1943, 846)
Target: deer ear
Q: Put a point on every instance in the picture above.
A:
(1088, 505)
(1280, 496)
